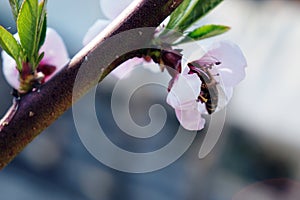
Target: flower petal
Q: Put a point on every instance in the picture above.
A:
(95, 29)
(151, 66)
(124, 70)
(55, 50)
(184, 91)
(111, 9)
(233, 62)
(190, 119)
(228, 92)
(224, 96)
(10, 71)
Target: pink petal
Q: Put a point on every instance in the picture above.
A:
(228, 92)
(151, 66)
(233, 62)
(124, 70)
(111, 9)
(190, 119)
(185, 91)
(10, 71)
(207, 60)
(95, 29)
(224, 96)
(55, 50)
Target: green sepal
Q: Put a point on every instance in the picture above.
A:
(204, 32)
(10, 45)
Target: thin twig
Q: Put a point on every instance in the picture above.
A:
(9, 114)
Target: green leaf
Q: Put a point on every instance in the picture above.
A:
(27, 24)
(15, 7)
(178, 14)
(207, 31)
(43, 33)
(41, 56)
(204, 32)
(189, 12)
(42, 23)
(10, 45)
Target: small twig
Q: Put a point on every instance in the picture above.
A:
(37, 110)
(10, 113)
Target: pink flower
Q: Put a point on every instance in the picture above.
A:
(224, 64)
(183, 98)
(55, 58)
(232, 63)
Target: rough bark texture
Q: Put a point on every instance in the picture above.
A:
(37, 110)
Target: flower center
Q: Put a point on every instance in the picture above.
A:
(46, 70)
(209, 92)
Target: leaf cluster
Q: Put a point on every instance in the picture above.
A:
(189, 12)
(31, 20)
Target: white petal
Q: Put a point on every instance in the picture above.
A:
(95, 29)
(152, 67)
(185, 90)
(55, 51)
(228, 91)
(10, 71)
(233, 62)
(185, 69)
(111, 9)
(190, 119)
(224, 96)
(124, 70)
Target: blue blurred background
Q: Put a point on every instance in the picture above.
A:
(257, 156)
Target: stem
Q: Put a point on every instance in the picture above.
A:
(37, 110)
(9, 114)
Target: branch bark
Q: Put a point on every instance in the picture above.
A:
(37, 110)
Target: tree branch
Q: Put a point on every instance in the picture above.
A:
(37, 110)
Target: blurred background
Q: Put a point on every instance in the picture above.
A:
(257, 156)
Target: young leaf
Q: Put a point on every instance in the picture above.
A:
(43, 31)
(15, 7)
(10, 45)
(42, 27)
(27, 24)
(41, 56)
(178, 14)
(189, 12)
(204, 32)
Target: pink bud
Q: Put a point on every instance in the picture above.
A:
(55, 58)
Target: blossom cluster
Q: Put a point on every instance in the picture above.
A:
(199, 88)
(204, 86)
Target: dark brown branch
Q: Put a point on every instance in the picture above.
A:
(37, 110)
